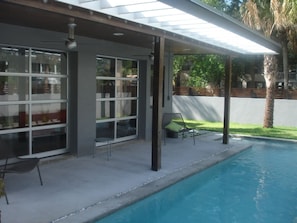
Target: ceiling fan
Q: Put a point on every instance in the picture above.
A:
(70, 41)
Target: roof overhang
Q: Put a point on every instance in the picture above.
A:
(188, 18)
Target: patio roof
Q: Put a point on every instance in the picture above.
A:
(188, 18)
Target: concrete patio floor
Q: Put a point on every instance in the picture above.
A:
(82, 189)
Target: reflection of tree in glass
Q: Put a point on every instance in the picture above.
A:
(105, 67)
(129, 68)
(8, 85)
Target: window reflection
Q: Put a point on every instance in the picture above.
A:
(105, 89)
(105, 130)
(14, 88)
(126, 88)
(48, 88)
(105, 67)
(126, 108)
(116, 97)
(14, 59)
(47, 62)
(16, 144)
(127, 68)
(47, 114)
(48, 139)
(105, 109)
(22, 107)
(126, 128)
(13, 116)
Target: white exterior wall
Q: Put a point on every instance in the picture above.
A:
(242, 110)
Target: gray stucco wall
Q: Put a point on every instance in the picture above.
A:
(86, 107)
(242, 110)
(82, 74)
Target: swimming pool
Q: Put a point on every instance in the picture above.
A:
(259, 185)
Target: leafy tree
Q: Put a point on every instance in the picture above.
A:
(207, 70)
(230, 7)
(220, 5)
(284, 15)
(275, 18)
(203, 70)
(233, 8)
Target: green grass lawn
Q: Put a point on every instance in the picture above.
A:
(246, 129)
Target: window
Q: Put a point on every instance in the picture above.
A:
(33, 100)
(116, 98)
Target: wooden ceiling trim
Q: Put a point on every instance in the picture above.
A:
(87, 15)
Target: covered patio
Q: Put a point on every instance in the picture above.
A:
(150, 32)
(81, 189)
(77, 186)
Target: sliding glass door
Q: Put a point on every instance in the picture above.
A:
(116, 98)
(33, 100)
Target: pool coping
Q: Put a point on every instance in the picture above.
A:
(262, 138)
(108, 206)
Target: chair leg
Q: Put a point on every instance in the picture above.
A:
(4, 192)
(6, 198)
(41, 183)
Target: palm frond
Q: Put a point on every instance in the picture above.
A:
(251, 15)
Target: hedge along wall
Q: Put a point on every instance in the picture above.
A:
(242, 110)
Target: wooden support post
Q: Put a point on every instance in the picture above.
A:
(228, 74)
(157, 102)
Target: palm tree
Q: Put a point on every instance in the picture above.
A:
(270, 72)
(275, 18)
(284, 14)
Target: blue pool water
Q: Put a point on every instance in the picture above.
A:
(258, 185)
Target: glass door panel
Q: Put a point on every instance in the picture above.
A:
(126, 108)
(105, 67)
(126, 88)
(105, 130)
(48, 139)
(14, 59)
(33, 99)
(17, 142)
(14, 116)
(105, 89)
(48, 114)
(126, 128)
(116, 98)
(14, 88)
(105, 110)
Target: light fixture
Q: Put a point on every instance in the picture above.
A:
(118, 34)
(71, 44)
(152, 57)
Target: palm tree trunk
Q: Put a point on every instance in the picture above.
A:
(269, 107)
(282, 36)
(285, 66)
(270, 71)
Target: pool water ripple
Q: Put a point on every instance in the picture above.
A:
(258, 185)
